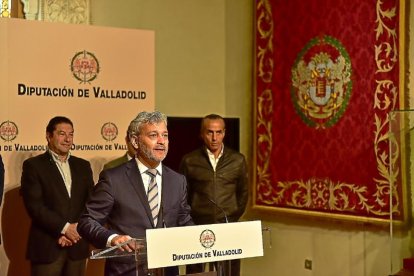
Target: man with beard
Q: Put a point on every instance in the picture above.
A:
(138, 195)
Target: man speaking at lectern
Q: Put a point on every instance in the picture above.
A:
(138, 195)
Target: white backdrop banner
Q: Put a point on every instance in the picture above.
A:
(100, 78)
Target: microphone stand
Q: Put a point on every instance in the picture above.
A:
(161, 214)
(223, 267)
(218, 207)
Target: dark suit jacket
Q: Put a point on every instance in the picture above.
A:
(50, 207)
(120, 202)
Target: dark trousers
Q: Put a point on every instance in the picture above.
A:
(62, 266)
(197, 268)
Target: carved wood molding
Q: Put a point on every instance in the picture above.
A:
(67, 11)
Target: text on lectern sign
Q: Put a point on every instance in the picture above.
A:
(203, 243)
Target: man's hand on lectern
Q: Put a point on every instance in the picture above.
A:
(121, 239)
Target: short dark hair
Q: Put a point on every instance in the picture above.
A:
(51, 126)
(211, 117)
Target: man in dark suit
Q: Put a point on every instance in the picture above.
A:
(122, 198)
(55, 186)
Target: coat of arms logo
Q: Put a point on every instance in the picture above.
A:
(84, 66)
(109, 131)
(8, 131)
(207, 238)
(321, 82)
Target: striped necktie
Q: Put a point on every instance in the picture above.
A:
(153, 194)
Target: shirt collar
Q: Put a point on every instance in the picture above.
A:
(211, 155)
(142, 168)
(129, 157)
(55, 156)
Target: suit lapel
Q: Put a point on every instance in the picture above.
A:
(135, 180)
(77, 177)
(166, 190)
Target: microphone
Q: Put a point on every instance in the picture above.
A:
(161, 212)
(221, 209)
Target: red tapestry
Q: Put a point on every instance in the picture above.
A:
(327, 76)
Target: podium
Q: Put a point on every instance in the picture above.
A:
(139, 252)
(175, 246)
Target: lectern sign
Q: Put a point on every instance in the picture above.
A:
(203, 243)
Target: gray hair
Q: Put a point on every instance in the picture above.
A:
(145, 117)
